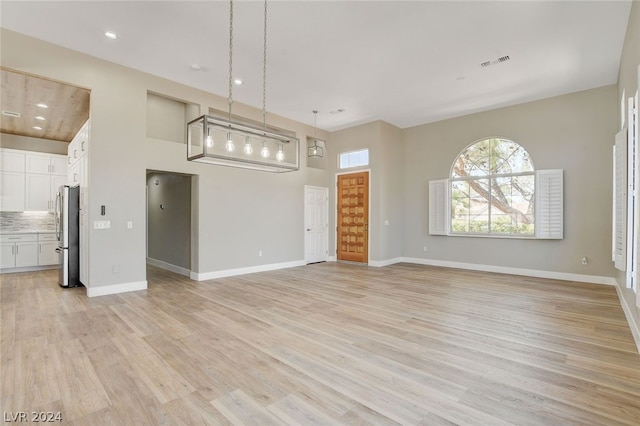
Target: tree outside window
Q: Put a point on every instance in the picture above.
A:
(492, 189)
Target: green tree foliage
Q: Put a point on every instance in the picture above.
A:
(492, 189)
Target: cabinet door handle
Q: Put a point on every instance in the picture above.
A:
(17, 247)
(13, 249)
(82, 145)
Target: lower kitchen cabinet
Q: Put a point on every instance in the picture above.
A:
(47, 244)
(19, 251)
(28, 250)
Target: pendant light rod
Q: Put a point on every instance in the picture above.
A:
(230, 98)
(264, 70)
(315, 124)
(205, 130)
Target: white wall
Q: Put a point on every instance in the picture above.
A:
(384, 142)
(33, 144)
(628, 83)
(238, 212)
(572, 132)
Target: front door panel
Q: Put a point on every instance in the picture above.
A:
(353, 217)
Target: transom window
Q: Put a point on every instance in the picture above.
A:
(350, 159)
(492, 189)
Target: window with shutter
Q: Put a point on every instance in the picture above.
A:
(494, 191)
(549, 204)
(620, 193)
(438, 207)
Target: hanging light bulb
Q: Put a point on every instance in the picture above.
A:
(209, 140)
(230, 147)
(315, 150)
(248, 149)
(265, 150)
(199, 142)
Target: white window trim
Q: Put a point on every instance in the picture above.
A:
(549, 222)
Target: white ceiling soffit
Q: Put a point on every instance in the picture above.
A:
(406, 63)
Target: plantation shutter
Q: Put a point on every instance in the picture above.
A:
(549, 204)
(439, 207)
(620, 194)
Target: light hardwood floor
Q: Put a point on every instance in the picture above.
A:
(327, 343)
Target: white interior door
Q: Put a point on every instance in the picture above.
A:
(316, 223)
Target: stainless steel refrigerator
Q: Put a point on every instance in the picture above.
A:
(67, 216)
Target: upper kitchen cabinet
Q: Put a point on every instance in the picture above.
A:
(30, 180)
(48, 164)
(11, 161)
(12, 180)
(44, 175)
(79, 146)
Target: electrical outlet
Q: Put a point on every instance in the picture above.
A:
(101, 224)
(259, 253)
(424, 248)
(585, 260)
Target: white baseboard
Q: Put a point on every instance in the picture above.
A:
(27, 269)
(633, 325)
(202, 276)
(332, 259)
(116, 288)
(594, 279)
(387, 262)
(169, 267)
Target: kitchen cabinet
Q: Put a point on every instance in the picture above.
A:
(41, 191)
(12, 182)
(12, 191)
(19, 250)
(11, 160)
(79, 145)
(47, 244)
(45, 164)
(30, 180)
(77, 160)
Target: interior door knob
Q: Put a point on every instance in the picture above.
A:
(308, 229)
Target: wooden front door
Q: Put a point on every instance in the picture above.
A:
(353, 217)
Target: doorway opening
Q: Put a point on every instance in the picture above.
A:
(169, 221)
(353, 217)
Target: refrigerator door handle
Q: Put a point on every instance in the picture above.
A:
(58, 210)
(58, 250)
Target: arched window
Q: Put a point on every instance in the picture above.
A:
(492, 189)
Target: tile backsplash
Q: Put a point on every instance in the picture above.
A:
(27, 221)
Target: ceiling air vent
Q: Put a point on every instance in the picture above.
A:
(11, 114)
(501, 59)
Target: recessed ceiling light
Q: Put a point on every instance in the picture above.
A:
(237, 81)
(41, 118)
(110, 35)
(196, 67)
(337, 111)
(41, 105)
(37, 127)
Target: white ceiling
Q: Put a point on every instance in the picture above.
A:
(407, 63)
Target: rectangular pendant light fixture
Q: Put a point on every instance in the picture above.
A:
(213, 140)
